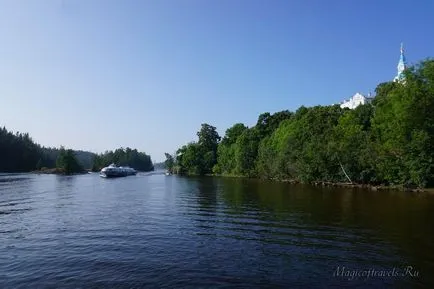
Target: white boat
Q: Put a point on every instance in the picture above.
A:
(112, 171)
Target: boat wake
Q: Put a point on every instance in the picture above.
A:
(153, 173)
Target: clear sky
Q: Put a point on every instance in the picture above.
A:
(98, 75)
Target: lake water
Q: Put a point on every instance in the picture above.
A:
(156, 231)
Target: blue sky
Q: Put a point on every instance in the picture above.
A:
(97, 75)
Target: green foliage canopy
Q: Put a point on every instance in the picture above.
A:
(67, 162)
(124, 157)
(389, 141)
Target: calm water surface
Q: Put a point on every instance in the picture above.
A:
(156, 231)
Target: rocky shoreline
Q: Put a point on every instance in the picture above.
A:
(341, 185)
(361, 186)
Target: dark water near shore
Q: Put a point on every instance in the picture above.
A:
(153, 231)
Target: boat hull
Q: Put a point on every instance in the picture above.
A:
(115, 175)
(116, 172)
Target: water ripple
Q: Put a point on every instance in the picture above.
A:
(154, 231)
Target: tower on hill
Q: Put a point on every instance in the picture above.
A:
(402, 65)
(359, 99)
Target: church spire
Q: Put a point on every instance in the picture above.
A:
(401, 66)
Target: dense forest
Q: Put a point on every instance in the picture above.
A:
(124, 157)
(84, 158)
(67, 162)
(389, 141)
(19, 153)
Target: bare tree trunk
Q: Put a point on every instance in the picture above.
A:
(345, 173)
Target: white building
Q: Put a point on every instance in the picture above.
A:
(356, 100)
(359, 99)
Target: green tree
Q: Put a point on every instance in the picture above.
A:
(191, 159)
(18, 152)
(352, 147)
(226, 163)
(232, 134)
(207, 148)
(67, 162)
(169, 162)
(246, 150)
(208, 137)
(403, 128)
(390, 141)
(123, 157)
(267, 123)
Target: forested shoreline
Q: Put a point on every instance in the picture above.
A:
(19, 153)
(387, 142)
(124, 157)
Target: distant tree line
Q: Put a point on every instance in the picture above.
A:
(389, 141)
(67, 162)
(50, 156)
(159, 166)
(123, 157)
(19, 153)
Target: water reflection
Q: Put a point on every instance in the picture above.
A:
(349, 226)
(202, 204)
(179, 232)
(65, 183)
(206, 193)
